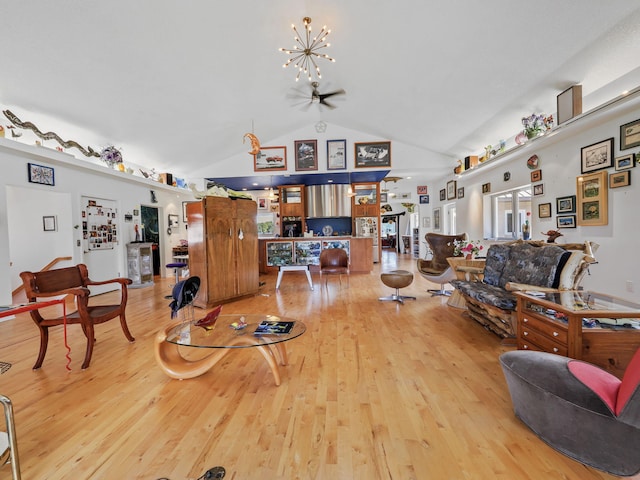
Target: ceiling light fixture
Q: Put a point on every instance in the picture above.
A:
(305, 51)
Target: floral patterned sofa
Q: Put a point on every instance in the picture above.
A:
(521, 265)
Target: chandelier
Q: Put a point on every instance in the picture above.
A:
(306, 50)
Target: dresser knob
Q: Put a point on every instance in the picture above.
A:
(525, 320)
(525, 346)
(555, 349)
(525, 333)
(555, 334)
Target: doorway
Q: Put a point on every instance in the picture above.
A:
(151, 233)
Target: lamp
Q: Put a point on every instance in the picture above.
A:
(350, 192)
(305, 52)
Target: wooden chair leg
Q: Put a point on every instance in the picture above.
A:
(88, 330)
(125, 328)
(44, 341)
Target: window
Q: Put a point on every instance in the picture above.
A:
(504, 224)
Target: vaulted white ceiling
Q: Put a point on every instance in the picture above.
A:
(177, 84)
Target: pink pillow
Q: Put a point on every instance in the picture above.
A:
(630, 382)
(602, 383)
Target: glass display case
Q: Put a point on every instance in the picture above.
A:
(307, 252)
(279, 253)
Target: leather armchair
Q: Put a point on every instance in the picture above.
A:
(437, 269)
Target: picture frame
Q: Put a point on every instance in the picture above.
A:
(538, 189)
(384, 198)
(630, 135)
(426, 222)
(544, 210)
(569, 103)
(460, 192)
(423, 199)
(536, 175)
(625, 162)
(49, 223)
(336, 154)
(372, 154)
(306, 155)
(597, 156)
(173, 220)
(41, 175)
(451, 189)
(566, 204)
(620, 179)
(486, 188)
(436, 219)
(443, 194)
(422, 190)
(262, 203)
(566, 221)
(270, 159)
(592, 199)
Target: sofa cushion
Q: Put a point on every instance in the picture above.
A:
(532, 265)
(489, 294)
(497, 257)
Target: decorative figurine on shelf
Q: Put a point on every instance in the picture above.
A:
(552, 235)
(209, 322)
(137, 232)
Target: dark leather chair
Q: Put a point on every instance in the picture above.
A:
(73, 281)
(437, 269)
(577, 408)
(334, 261)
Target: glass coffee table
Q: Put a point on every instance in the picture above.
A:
(219, 341)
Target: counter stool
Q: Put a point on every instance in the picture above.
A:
(397, 279)
(177, 266)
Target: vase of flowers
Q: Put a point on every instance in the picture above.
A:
(467, 248)
(111, 156)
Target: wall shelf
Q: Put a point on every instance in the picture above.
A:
(559, 132)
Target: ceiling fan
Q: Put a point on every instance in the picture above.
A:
(317, 97)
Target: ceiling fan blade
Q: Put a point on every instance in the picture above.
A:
(331, 94)
(327, 104)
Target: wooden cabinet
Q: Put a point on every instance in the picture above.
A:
(366, 200)
(569, 323)
(140, 264)
(223, 248)
(292, 209)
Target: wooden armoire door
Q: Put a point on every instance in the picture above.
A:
(220, 236)
(246, 247)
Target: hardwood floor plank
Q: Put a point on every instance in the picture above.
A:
(373, 390)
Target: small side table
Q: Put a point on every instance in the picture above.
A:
(456, 299)
(293, 268)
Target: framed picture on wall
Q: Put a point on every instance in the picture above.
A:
(372, 154)
(536, 175)
(443, 194)
(424, 199)
(270, 158)
(306, 155)
(460, 192)
(436, 219)
(336, 154)
(566, 221)
(620, 179)
(451, 189)
(566, 204)
(626, 162)
(592, 199)
(630, 135)
(538, 189)
(41, 174)
(544, 210)
(597, 156)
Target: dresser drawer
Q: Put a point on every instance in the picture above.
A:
(542, 341)
(547, 327)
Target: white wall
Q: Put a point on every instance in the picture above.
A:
(25, 203)
(559, 154)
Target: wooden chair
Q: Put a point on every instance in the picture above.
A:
(73, 281)
(8, 442)
(334, 261)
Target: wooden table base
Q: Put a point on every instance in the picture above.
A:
(176, 366)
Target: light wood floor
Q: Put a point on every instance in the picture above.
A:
(374, 390)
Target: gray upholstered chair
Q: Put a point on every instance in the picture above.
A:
(577, 408)
(437, 270)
